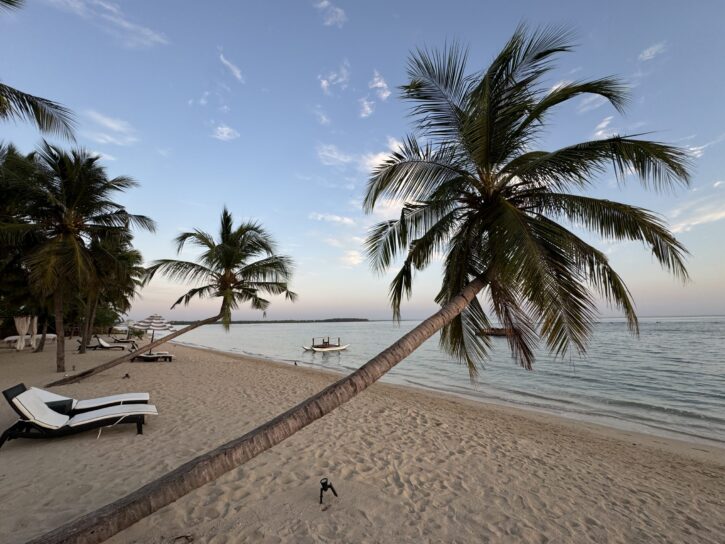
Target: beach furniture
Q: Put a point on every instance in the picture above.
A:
(103, 345)
(37, 420)
(153, 357)
(70, 406)
(11, 341)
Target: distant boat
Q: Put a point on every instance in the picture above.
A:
(323, 344)
(495, 331)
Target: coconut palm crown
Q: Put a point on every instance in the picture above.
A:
(239, 267)
(477, 190)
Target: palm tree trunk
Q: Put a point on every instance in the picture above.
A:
(59, 332)
(113, 518)
(41, 344)
(128, 356)
(87, 325)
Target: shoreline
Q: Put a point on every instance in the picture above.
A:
(592, 420)
(409, 464)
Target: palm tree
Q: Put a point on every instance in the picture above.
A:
(69, 205)
(47, 115)
(239, 268)
(478, 192)
(118, 273)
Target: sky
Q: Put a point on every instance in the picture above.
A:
(279, 109)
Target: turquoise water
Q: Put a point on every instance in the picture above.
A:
(669, 381)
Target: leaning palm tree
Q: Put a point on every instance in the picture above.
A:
(478, 192)
(239, 268)
(69, 204)
(47, 115)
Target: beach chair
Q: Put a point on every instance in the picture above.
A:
(154, 357)
(39, 421)
(70, 406)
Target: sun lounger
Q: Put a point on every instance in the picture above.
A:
(39, 421)
(103, 345)
(70, 406)
(154, 357)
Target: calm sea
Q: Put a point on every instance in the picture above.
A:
(668, 381)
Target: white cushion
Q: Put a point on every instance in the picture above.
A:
(33, 407)
(112, 399)
(47, 396)
(112, 412)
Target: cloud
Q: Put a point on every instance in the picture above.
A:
(233, 68)
(321, 116)
(380, 86)
(110, 130)
(332, 218)
(591, 102)
(652, 51)
(330, 155)
(352, 258)
(698, 151)
(103, 156)
(339, 78)
(559, 84)
(718, 184)
(367, 107)
(698, 211)
(331, 14)
(369, 161)
(602, 130)
(225, 133)
(109, 16)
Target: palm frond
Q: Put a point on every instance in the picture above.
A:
(47, 115)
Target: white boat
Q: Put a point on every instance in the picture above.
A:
(323, 344)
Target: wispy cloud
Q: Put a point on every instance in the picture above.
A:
(652, 51)
(559, 84)
(109, 16)
(331, 14)
(367, 107)
(233, 68)
(321, 116)
(699, 211)
(698, 151)
(332, 218)
(352, 258)
(103, 156)
(380, 86)
(330, 155)
(369, 161)
(718, 184)
(602, 130)
(339, 78)
(110, 130)
(224, 133)
(591, 102)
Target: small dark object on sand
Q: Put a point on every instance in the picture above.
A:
(126, 376)
(324, 486)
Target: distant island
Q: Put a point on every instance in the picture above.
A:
(265, 321)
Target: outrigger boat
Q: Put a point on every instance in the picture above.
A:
(323, 344)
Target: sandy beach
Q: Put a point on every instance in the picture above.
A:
(409, 466)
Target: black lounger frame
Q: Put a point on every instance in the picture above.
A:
(27, 429)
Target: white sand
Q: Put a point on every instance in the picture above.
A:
(409, 466)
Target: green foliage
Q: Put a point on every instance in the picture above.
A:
(238, 268)
(478, 193)
(60, 231)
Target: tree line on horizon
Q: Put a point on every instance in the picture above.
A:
(474, 187)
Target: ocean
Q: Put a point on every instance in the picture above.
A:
(669, 381)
